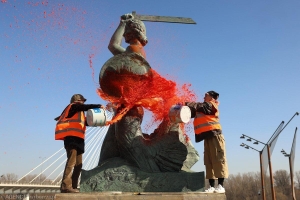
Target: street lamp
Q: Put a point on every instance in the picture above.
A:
(284, 153)
(261, 165)
(291, 157)
(250, 139)
(261, 170)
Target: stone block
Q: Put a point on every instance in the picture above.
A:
(116, 174)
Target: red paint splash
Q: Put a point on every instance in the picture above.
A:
(92, 68)
(154, 93)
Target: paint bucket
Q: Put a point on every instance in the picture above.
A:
(96, 117)
(179, 114)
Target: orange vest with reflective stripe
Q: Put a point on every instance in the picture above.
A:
(203, 123)
(74, 126)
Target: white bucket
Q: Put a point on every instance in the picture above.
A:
(96, 117)
(179, 114)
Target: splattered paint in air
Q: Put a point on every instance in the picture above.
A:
(61, 32)
(152, 91)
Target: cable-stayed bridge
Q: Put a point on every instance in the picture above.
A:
(46, 177)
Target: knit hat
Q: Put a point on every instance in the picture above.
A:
(213, 94)
(77, 97)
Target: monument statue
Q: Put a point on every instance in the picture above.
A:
(131, 160)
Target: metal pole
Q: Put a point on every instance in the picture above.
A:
(292, 179)
(262, 177)
(271, 174)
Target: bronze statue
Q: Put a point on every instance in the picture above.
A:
(131, 160)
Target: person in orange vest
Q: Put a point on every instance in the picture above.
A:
(70, 128)
(207, 127)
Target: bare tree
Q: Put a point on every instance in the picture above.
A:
(246, 186)
(282, 182)
(35, 179)
(297, 178)
(58, 180)
(297, 192)
(9, 178)
(2, 178)
(30, 179)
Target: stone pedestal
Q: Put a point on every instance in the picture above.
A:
(116, 174)
(142, 196)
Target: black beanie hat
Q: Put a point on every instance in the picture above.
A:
(214, 94)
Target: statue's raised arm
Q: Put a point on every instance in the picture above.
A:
(134, 32)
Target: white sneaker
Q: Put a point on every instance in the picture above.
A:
(219, 189)
(210, 190)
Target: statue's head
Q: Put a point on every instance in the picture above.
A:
(135, 29)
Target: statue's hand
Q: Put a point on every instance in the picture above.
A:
(127, 16)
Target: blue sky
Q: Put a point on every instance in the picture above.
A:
(248, 51)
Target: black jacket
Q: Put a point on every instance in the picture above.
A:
(207, 109)
(72, 141)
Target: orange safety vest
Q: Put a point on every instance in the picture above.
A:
(203, 123)
(74, 126)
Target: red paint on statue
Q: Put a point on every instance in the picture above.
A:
(152, 91)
